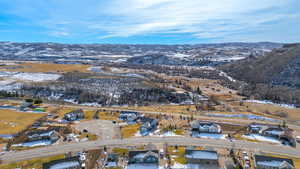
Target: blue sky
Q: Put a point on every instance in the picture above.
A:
(149, 21)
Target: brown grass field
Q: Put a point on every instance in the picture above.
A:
(292, 114)
(177, 154)
(50, 68)
(130, 130)
(12, 122)
(165, 108)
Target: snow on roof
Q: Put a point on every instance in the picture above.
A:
(64, 165)
(34, 143)
(274, 132)
(199, 154)
(273, 163)
(142, 166)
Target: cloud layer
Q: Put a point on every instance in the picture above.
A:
(211, 21)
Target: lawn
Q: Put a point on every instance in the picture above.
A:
(88, 114)
(30, 164)
(293, 114)
(130, 130)
(63, 110)
(12, 122)
(179, 131)
(108, 116)
(120, 151)
(177, 154)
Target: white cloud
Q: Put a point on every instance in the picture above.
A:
(125, 18)
(59, 34)
(204, 19)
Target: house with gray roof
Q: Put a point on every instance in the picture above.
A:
(201, 159)
(143, 159)
(267, 162)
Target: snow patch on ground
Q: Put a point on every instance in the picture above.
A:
(95, 69)
(168, 134)
(210, 136)
(9, 80)
(246, 116)
(228, 77)
(290, 106)
(258, 137)
(180, 55)
(179, 166)
(36, 77)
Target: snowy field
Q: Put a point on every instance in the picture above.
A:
(258, 137)
(10, 77)
(246, 116)
(36, 77)
(10, 81)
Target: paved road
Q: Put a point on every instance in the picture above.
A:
(74, 147)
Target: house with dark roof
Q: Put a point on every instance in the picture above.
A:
(202, 159)
(205, 128)
(43, 134)
(143, 159)
(74, 115)
(129, 117)
(267, 162)
(148, 125)
(112, 160)
(39, 138)
(25, 106)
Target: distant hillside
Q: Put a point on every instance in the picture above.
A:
(280, 67)
(199, 54)
(279, 70)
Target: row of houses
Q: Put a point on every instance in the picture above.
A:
(149, 159)
(203, 159)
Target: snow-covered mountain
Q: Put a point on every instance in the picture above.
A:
(202, 54)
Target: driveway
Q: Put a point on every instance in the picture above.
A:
(106, 130)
